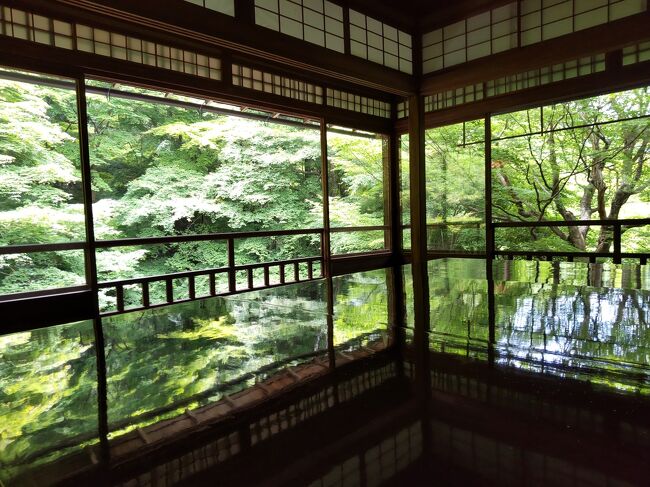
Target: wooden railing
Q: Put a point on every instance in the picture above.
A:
(615, 226)
(138, 293)
(468, 224)
(288, 270)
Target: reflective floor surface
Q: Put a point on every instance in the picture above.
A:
(578, 320)
(539, 376)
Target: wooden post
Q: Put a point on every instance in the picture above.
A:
(395, 276)
(249, 275)
(213, 285)
(421, 311)
(191, 287)
(267, 279)
(617, 243)
(392, 204)
(232, 279)
(489, 239)
(145, 294)
(245, 11)
(119, 293)
(331, 353)
(169, 290)
(326, 270)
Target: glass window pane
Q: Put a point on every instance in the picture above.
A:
(356, 179)
(41, 271)
(41, 196)
(356, 189)
(161, 169)
(405, 191)
(162, 362)
(359, 241)
(405, 182)
(459, 306)
(455, 186)
(361, 310)
(579, 160)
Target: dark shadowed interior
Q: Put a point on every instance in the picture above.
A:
(324, 243)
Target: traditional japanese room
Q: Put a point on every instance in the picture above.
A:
(324, 243)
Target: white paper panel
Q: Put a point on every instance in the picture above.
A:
(539, 20)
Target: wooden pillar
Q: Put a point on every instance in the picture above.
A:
(489, 225)
(326, 248)
(91, 271)
(245, 11)
(394, 275)
(325, 241)
(397, 313)
(418, 217)
(489, 241)
(392, 187)
(421, 312)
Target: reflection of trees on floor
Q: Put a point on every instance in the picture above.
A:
(587, 321)
(199, 438)
(163, 361)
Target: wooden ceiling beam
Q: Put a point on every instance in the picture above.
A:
(454, 11)
(395, 14)
(419, 16)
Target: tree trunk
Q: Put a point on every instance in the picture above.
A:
(577, 235)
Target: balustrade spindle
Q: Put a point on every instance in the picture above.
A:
(213, 286)
(145, 294)
(232, 278)
(169, 290)
(191, 287)
(617, 243)
(267, 277)
(251, 283)
(120, 297)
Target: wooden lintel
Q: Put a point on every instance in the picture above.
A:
(32, 56)
(608, 81)
(360, 262)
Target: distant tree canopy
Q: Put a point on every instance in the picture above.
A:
(455, 161)
(579, 160)
(162, 170)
